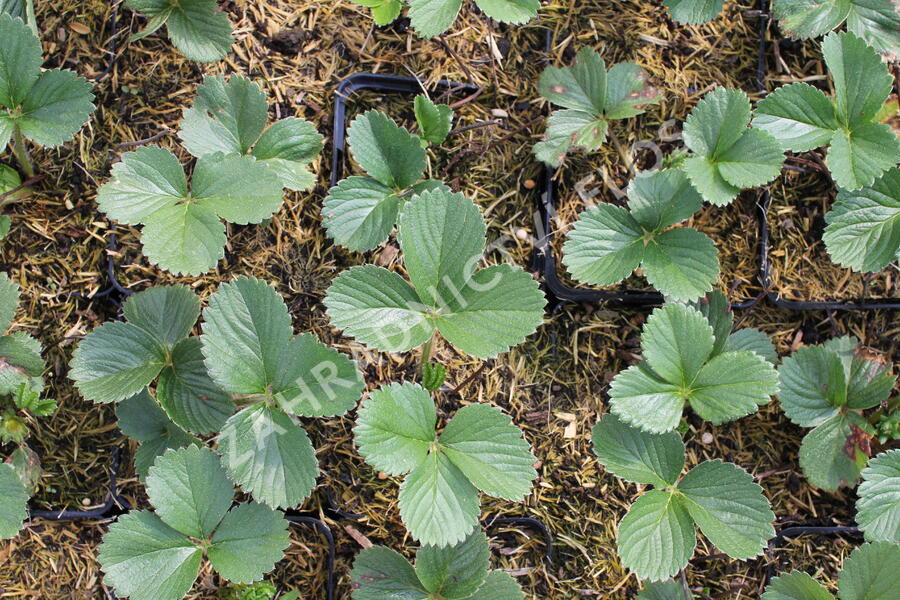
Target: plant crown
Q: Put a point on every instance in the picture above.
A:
(196, 27)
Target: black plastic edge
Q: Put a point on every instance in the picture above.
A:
(800, 531)
(323, 529)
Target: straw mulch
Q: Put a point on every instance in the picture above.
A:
(554, 385)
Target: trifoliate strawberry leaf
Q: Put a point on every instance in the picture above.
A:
(592, 96)
(189, 490)
(380, 573)
(141, 419)
(796, 585)
(182, 231)
(729, 507)
(386, 151)
(434, 120)
(875, 21)
(168, 313)
(269, 456)
(694, 12)
(870, 573)
(727, 155)
(636, 455)
(395, 428)
(9, 300)
(13, 502)
(195, 27)
(826, 457)
(145, 559)
(248, 542)
(668, 589)
(454, 572)
(384, 12)
(863, 231)
(878, 504)
(482, 313)
(656, 538)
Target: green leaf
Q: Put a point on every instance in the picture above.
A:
(168, 313)
(729, 507)
(733, 385)
(579, 87)
(796, 585)
(694, 12)
(434, 120)
(438, 505)
(637, 456)
(378, 308)
(14, 8)
(810, 18)
(184, 239)
(878, 23)
(642, 399)
(498, 586)
(861, 79)
(510, 11)
(858, 157)
(798, 115)
(384, 12)
(717, 311)
(676, 342)
(56, 108)
(863, 231)
(656, 538)
(20, 61)
(380, 573)
(249, 541)
(13, 500)
(811, 381)
(824, 453)
(269, 456)
(878, 504)
(604, 246)
(682, 263)
(9, 300)
(116, 361)
(395, 428)
(489, 450)
(287, 147)
(359, 212)
(141, 418)
(568, 129)
(668, 589)
(627, 91)
(870, 573)
(752, 340)
(754, 160)
(708, 181)
(454, 572)
(145, 559)
(188, 395)
(198, 31)
(870, 383)
(386, 151)
(718, 121)
(433, 17)
(658, 199)
(189, 490)
(227, 117)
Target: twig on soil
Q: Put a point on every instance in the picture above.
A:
(468, 379)
(459, 130)
(149, 140)
(20, 187)
(465, 69)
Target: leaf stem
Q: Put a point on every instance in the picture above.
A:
(22, 153)
(426, 354)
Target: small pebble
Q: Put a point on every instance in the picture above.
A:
(529, 184)
(707, 438)
(521, 234)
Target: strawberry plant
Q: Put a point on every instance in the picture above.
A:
(869, 573)
(726, 154)
(863, 231)
(827, 387)
(230, 117)
(591, 97)
(361, 210)
(877, 508)
(434, 17)
(657, 536)
(802, 117)
(21, 386)
(691, 358)
(246, 356)
(608, 242)
(196, 27)
(156, 554)
(875, 21)
(457, 572)
(47, 107)
(481, 312)
(434, 120)
(182, 227)
(479, 449)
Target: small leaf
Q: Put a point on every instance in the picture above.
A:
(752, 340)
(878, 23)
(434, 120)
(858, 157)
(56, 108)
(359, 212)
(379, 573)
(717, 122)
(166, 312)
(795, 585)
(694, 12)
(13, 501)
(656, 538)
(433, 17)
(201, 33)
(510, 11)
(637, 456)
(810, 379)
(878, 506)
(798, 115)
(732, 385)
(579, 87)
(825, 456)
(569, 129)
(729, 507)
(499, 585)
(141, 418)
(861, 80)
(249, 541)
(227, 116)
(286, 147)
(188, 395)
(386, 151)
(21, 57)
(870, 573)
(454, 572)
(754, 160)
(682, 263)
(384, 12)
(677, 340)
(668, 589)
(642, 399)
(605, 245)
(658, 199)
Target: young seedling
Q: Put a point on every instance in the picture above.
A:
(591, 97)
(869, 572)
(231, 116)
(877, 508)
(47, 107)
(863, 231)
(156, 555)
(21, 386)
(608, 242)
(482, 312)
(479, 449)
(434, 17)
(875, 21)
(694, 12)
(361, 210)
(458, 572)
(434, 120)
(196, 27)
(657, 536)
(727, 155)
(691, 357)
(827, 387)
(182, 229)
(803, 118)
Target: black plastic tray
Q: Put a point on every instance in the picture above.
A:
(800, 531)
